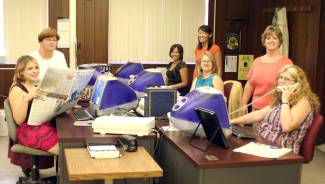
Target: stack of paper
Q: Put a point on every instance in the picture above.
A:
(262, 150)
(103, 151)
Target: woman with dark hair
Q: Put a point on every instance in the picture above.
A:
(177, 72)
(205, 43)
(290, 112)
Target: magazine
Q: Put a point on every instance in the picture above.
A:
(61, 89)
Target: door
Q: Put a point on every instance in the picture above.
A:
(92, 31)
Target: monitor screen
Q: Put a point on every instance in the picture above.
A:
(97, 92)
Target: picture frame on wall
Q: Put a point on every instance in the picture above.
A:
(233, 41)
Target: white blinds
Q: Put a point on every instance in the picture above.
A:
(23, 20)
(144, 30)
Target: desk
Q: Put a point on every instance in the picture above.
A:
(182, 163)
(137, 164)
(70, 136)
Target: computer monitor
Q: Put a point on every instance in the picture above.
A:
(185, 118)
(147, 78)
(111, 95)
(100, 68)
(124, 72)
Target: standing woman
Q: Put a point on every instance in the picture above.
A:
(47, 56)
(263, 72)
(177, 72)
(207, 76)
(205, 43)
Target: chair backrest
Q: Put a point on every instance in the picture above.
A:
(308, 144)
(10, 120)
(233, 91)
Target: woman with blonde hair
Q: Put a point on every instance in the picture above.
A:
(287, 118)
(21, 95)
(263, 72)
(207, 76)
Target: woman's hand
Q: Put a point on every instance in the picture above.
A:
(32, 94)
(286, 93)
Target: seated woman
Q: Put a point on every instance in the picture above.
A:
(207, 76)
(286, 119)
(177, 72)
(21, 95)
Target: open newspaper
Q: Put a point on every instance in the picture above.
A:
(61, 89)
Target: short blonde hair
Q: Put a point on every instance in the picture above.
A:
(270, 30)
(211, 58)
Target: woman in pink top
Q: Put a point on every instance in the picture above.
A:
(264, 70)
(205, 43)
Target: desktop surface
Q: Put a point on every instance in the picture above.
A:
(137, 164)
(225, 157)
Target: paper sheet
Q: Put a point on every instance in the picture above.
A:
(262, 150)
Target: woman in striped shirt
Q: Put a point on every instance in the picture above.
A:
(286, 119)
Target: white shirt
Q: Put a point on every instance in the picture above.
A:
(56, 61)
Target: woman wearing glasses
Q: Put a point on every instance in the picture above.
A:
(286, 119)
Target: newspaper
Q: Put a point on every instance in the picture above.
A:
(61, 89)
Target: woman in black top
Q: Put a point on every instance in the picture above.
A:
(177, 72)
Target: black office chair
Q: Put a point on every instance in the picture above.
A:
(34, 177)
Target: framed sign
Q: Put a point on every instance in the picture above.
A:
(233, 41)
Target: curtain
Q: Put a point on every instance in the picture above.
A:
(143, 30)
(23, 20)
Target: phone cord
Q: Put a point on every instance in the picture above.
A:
(258, 99)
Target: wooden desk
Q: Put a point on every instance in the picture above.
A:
(137, 164)
(182, 163)
(70, 136)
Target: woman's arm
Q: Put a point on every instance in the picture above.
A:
(184, 77)
(218, 59)
(248, 91)
(218, 83)
(193, 84)
(19, 104)
(252, 117)
(292, 117)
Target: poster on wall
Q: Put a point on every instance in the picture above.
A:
(233, 40)
(231, 63)
(244, 64)
(63, 25)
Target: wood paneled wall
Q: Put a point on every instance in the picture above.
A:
(305, 23)
(6, 76)
(59, 9)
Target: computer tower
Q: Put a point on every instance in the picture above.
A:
(158, 101)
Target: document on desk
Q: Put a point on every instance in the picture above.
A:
(262, 150)
(60, 89)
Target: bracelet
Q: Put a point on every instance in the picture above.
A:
(285, 103)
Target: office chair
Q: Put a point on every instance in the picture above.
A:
(308, 144)
(233, 91)
(34, 177)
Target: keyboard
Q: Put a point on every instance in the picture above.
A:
(242, 132)
(82, 115)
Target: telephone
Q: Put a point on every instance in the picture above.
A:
(291, 87)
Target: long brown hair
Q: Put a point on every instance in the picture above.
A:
(303, 90)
